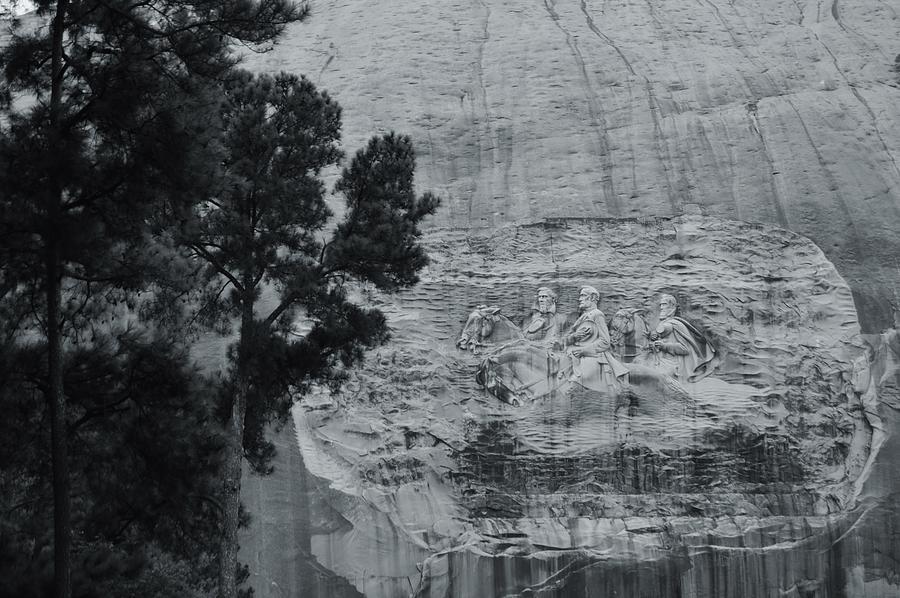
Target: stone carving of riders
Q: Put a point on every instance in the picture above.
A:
(679, 349)
(545, 324)
(588, 347)
(532, 360)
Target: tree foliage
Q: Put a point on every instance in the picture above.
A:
(377, 239)
(119, 121)
(144, 449)
(107, 134)
(263, 233)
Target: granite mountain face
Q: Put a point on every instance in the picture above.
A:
(762, 111)
(740, 156)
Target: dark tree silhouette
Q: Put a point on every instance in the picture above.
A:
(104, 129)
(260, 234)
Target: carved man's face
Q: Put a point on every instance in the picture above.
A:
(666, 308)
(586, 300)
(545, 301)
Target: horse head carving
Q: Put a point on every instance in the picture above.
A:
(629, 332)
(486, 325)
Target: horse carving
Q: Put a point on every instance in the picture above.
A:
(518, 370)
(484, 323)
(630, 334)
(522, 371)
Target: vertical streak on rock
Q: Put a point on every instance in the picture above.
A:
(780, 215)
(595, 113)
(708, 150)
(799, 10)
(505, 144)
(874, 118)
(482, 123)
(757, 65)
(662, 148)
(677, 196)
(827, 174)
(331, 55)
(485, 36)
(432, 160)
(652, 107)
(836, 15)
(499, 139)
(732, 160)
(862, 101)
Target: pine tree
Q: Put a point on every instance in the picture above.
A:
(144, 448)
(103, 131)
(261, 235)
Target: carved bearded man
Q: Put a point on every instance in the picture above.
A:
(681, 350)
(545, 323)
(588, 345)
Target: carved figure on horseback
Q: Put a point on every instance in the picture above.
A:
(679, 349)
(589, 348)
(629, 333)
(488, 323)
(544, 355)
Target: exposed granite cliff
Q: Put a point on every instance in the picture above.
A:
(767, 111)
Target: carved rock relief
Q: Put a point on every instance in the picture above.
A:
(758, 406)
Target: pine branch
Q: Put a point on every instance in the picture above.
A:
(208, 304)
(96, 412)
(214, 261)
(286, 303)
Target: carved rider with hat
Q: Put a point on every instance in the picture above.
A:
(588, 345)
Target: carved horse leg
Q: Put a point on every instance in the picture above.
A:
(520, 374)
(652, 393)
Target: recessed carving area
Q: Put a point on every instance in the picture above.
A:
(594, 393)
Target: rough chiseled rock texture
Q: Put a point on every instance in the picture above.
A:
(774, 111)
(419, 482)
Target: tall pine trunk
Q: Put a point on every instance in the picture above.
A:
(56, 398)
(62, 532)
(234, 453)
